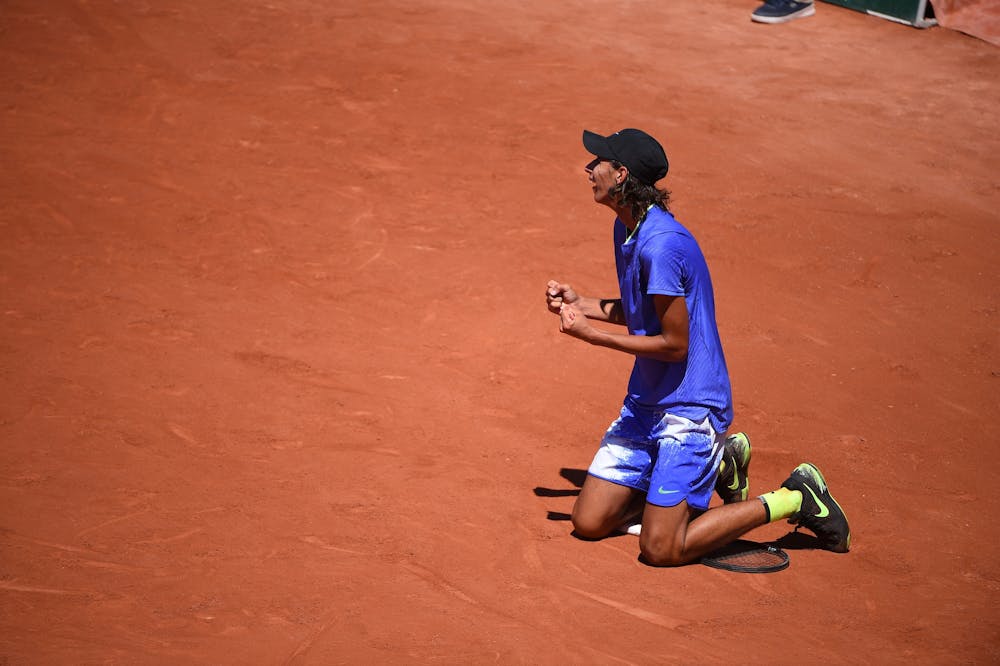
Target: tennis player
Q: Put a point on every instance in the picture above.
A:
(661, 456)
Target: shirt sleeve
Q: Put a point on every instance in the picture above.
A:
(664, 265)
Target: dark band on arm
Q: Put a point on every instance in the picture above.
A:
(611, 307)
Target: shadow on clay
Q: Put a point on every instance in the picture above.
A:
(574, 476)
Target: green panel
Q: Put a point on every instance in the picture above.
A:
(911, 11)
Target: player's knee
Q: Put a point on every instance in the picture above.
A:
(661, 555)
(589, 527)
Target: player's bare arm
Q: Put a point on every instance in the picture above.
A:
(598, 309)
(671, 345)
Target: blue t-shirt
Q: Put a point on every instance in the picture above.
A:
(664, 258)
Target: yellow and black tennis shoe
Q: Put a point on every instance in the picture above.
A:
(820, 513)
(732, 483)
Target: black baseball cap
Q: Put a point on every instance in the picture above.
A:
(641, 153)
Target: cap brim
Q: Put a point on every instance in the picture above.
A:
(598, 145)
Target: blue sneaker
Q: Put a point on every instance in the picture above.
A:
(780, 11)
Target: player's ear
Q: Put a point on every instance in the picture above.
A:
(621, 175)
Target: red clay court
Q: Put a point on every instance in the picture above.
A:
(279, 382)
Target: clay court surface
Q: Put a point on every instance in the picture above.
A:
(279, 385)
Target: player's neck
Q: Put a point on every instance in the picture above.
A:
(625, 215)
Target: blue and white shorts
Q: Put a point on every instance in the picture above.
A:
(668, 457)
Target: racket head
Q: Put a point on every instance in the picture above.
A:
(748, 557)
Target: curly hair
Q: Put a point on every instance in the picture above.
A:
(638, 196)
